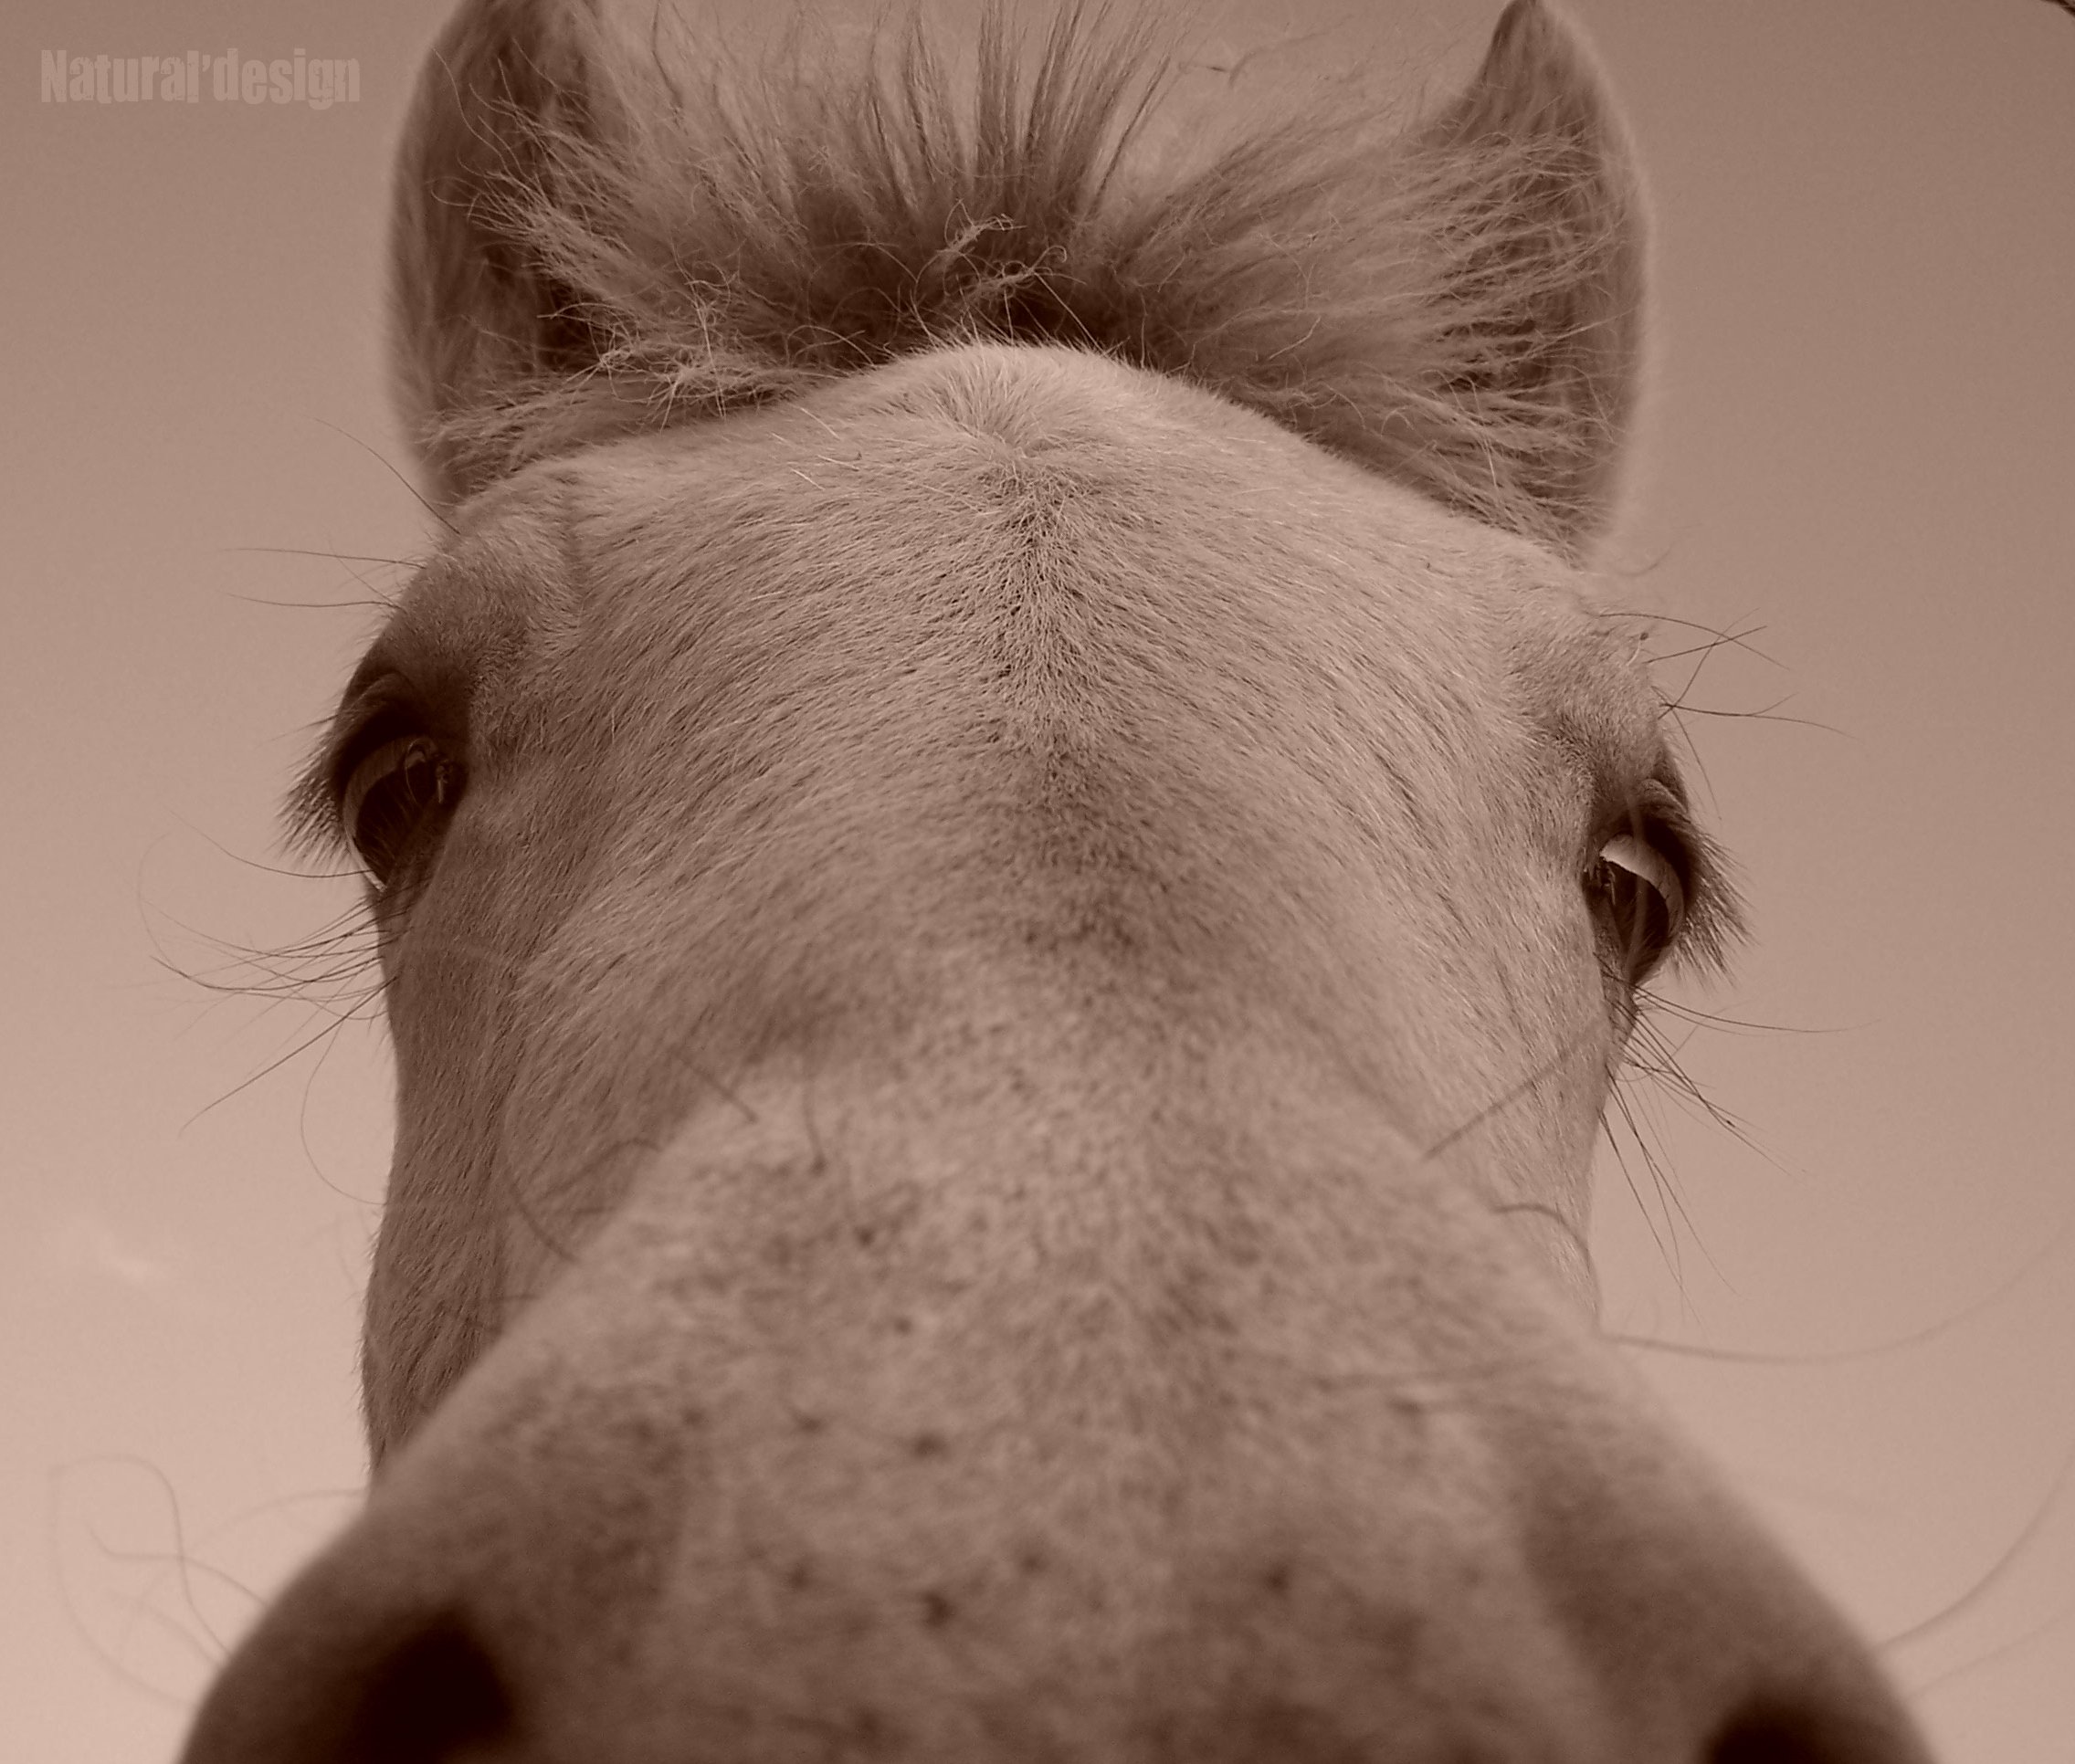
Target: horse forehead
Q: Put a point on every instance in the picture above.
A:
(1230, 630)
(772, 617)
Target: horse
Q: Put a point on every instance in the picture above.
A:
(1012, 857)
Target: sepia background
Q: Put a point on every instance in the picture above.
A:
(1860, 464)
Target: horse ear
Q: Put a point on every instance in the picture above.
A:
(475, 318)
(1553, 288)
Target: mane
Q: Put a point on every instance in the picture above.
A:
(708, 234)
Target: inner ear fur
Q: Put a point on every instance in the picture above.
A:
(473, 314)
(1554, 288)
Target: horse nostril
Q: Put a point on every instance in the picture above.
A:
(1781, 1733)
(1764, 1737)
(435, 1697)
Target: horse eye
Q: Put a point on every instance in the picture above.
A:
(1640, 900)
(390, 794)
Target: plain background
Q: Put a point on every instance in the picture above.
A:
(1860, 455)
